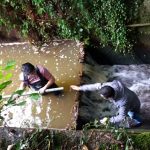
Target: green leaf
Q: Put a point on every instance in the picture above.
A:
(8, 76)
(10, 65)
(119, 136)
(96, 123)
(2, 22)
(21, 103)
(35, 96)
(0, 97)
(1, 75)
(4, 85)
(41, 11)
(127, 147)
(20, 92)
(18, 145)
(10, 102)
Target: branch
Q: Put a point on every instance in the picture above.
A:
(139, 25)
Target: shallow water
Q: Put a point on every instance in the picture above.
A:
(62, 60)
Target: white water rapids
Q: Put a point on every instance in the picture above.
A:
(135, 77)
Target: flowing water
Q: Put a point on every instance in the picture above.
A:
(135, 77)
(61, 58)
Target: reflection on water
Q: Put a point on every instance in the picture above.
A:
(62, 60)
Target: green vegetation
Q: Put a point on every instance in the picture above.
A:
(101, 22)
(5, 81)
(35, 140)
(98, 22)
(93, 136)
(109, 137)
(142, 141)
(54, 139)
(118, 134)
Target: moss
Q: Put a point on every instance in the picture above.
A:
(108, 146)
(3, 143)
(58, 138)
(142, 141)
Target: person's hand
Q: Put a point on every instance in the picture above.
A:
(104, 120)
(42, 90)
(15, 96)
(74, 87)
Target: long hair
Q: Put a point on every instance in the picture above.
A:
(27, 68)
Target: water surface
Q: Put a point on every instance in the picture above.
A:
(61, 58)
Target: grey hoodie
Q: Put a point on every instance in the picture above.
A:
(125, 99)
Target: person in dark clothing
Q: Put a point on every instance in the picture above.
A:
(37, 78)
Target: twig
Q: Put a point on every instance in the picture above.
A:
(139, 25)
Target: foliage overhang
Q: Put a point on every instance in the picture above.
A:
(103, 21)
